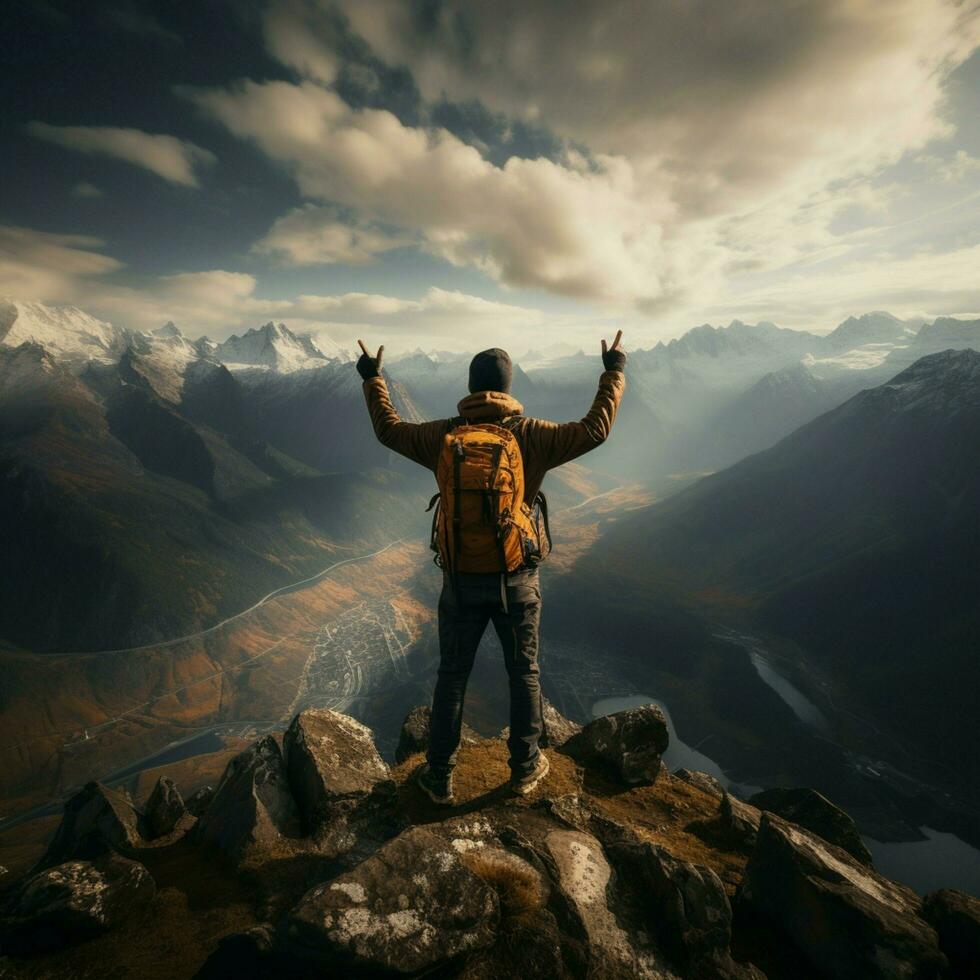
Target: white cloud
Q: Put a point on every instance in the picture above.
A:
(67, 269)
(313, 235)
(530, 223)
(39, 265)
(173, 159)
(922, 283)
(726, 97)
(299, 36)
(954, 169)
(729, 137)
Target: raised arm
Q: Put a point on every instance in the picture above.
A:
(418, 441)
(553, 443)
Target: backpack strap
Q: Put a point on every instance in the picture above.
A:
(511, 424)
(458, 455)
(542, 501)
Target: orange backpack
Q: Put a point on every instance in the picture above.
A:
(482, 522)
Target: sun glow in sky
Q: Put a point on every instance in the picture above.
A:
(440, 174)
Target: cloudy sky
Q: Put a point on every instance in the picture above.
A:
(526, 173)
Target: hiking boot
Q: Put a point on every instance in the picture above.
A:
(522, 785)
(439, 789)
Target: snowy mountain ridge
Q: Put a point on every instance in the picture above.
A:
(68, 334)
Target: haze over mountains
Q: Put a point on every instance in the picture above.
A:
(262, 444)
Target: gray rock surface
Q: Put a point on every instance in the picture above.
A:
(557, 728)
(739, 821)
(583, 877)
(199, 800)
(414, 735)
(956, 918)
(410, 907)
(165, 810)
(628, 745)
(341, 784)
(687, 908)
(702, 780)
(73, 901)
(96, 820)
(253, 813)
(816, 813)
(846, 919)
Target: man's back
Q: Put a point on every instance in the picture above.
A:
(544, 444)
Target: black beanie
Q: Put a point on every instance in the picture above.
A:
(490, 370)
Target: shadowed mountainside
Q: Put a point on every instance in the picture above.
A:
(857, 537)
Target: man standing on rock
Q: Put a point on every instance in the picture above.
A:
(490, 533)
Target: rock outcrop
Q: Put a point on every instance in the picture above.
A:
(813, 810)
(410, 907)
(628, 745)
(253, 814)
(557, 729)
(847, 920)
(96, 821)
(343, 867)
(165, 810)
(199, 800)
(739, 821)
(704, 781)
(956, 918)
(583, 875)
(689, 911)
(341, 784)
(76, 900)
(414, 735)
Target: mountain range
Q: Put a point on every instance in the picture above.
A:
(854, 541)
(102, 424)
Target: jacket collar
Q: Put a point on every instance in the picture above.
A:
(483, 406)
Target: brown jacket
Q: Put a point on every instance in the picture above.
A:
(544, 445)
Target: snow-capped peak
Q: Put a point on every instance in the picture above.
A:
(70, 335)
(169, 329)
(272, 346)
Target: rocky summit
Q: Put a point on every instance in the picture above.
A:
(313, 858)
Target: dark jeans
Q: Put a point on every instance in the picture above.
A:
(463, 616)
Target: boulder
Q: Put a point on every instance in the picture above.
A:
(739, 821)
(688, 909)
(342, 785)
(76, 900)
(414, 736)
(628, 744)
(702, 780)
(845, 918)
(410, 907)
(253, 812)
(956, 918)
(96, 820)
(165, 810)
(816, 813)
(199, 801)
(582, 876)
